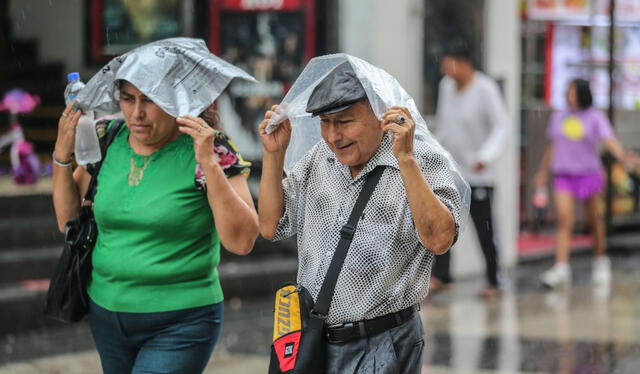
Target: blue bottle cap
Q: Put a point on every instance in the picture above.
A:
(75, 76)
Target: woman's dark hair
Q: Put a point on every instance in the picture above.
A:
(583, 93)
(211, 117)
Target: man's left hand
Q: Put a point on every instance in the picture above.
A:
(478, 166)
(398, 120)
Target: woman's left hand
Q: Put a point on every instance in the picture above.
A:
(399, 121)
(203, 136)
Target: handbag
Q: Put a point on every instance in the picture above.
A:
(299, 338)
(67, 299)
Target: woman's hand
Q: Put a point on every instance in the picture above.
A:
(399, 121)
(278, 140)
(540, 179)
(632, 162)
(65, 142)
(203, 136)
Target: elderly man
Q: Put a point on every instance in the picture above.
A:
(413, 213)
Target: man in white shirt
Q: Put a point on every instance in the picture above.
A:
(472, 125)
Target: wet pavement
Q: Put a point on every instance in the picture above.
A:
(528, 330)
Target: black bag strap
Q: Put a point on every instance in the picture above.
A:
(111, 134)
(347, 231)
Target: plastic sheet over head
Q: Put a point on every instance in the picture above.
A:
(383, 91)
(179, 75)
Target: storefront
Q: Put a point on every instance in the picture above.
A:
(563, 40)
(270, 39)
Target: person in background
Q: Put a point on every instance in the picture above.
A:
(170, 192)
(573, 157)
(472, 124)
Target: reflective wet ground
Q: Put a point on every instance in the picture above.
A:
(586, 330)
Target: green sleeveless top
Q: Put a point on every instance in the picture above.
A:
(157, 248)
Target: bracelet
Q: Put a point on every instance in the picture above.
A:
(60, 163)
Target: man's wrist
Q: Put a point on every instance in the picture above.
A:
(407, 160)
(274, 155)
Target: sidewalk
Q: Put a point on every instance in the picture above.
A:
(528, 330)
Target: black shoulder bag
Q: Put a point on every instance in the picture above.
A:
(299, 340)
(67, 298)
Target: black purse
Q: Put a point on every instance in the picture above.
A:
(299, 337)
(67, 298)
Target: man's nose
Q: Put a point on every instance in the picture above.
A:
(334, 134)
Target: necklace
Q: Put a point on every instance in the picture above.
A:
(137, 172)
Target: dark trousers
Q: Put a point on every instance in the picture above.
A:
(177, 342)
(480, 210)
(396, 351)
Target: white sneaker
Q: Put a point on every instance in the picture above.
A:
(601, 273)
(558, 276)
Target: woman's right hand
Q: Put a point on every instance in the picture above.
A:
(65, 141)
(540, 179)
(278, 140)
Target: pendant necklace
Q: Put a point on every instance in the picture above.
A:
(137, 172)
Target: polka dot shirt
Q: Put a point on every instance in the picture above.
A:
(387, 267)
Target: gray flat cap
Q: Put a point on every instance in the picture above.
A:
(338, 91)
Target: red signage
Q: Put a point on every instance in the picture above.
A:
(282, 5)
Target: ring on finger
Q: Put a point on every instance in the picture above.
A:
(400, 120)
(63, 115)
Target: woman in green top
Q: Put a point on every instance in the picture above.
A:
(170, 190)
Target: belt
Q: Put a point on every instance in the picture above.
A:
(362, 329)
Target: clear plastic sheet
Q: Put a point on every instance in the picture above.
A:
(383, 91)
(180, 75)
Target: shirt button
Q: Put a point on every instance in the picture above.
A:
(328, 253)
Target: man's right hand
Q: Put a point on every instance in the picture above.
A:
(278, 140)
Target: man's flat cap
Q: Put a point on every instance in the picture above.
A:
(338, 91)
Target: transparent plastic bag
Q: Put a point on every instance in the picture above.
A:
(383, 91)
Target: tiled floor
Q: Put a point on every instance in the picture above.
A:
(528, 330)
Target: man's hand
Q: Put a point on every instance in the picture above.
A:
(278, 140)
(399, 121)
(479, 166)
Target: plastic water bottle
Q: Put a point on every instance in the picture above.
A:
(87, 148)
(74, 85)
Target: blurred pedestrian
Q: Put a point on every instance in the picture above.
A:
(473, 125)
(366, 121)
(171, 189)
(573, 157)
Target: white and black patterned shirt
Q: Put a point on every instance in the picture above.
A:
(387, 267)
